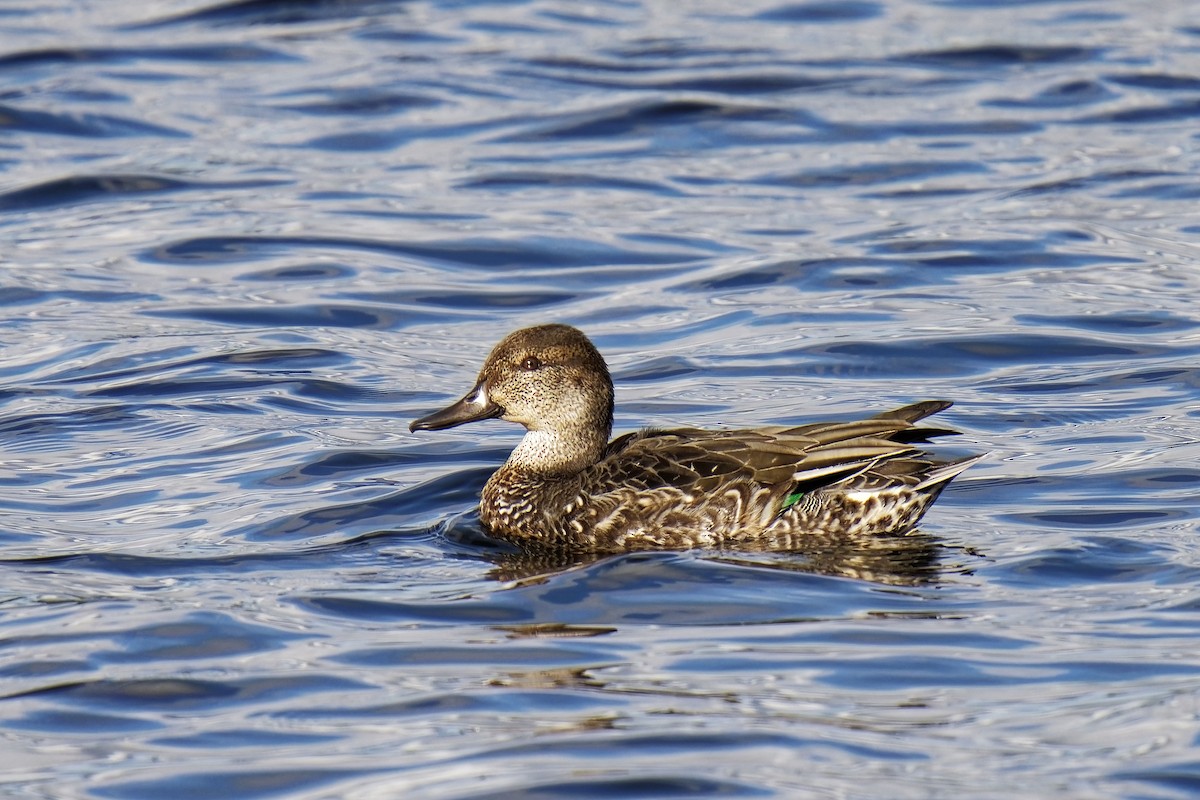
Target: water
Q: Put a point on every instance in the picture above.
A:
(246, 243)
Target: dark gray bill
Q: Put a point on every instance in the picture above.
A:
(472, 408)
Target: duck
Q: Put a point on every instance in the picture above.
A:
(567, 487)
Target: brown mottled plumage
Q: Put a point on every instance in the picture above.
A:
(565, 486)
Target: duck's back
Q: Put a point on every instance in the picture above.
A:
(690, 487)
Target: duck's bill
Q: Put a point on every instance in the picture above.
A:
(474, 407)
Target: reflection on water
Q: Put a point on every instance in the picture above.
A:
(907, 560)
(248, 241)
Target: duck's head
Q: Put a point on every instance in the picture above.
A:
(549, 378)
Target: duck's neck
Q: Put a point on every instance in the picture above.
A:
(530, 494)
(551, 454)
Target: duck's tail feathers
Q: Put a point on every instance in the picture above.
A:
(916, 411)
(942, 474)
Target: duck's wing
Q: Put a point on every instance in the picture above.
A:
(788, 458)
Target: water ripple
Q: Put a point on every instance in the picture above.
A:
(26, 120)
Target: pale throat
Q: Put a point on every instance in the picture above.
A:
(547, 452)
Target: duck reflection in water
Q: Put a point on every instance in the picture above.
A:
(913, 559)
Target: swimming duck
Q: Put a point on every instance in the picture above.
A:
(566, 486)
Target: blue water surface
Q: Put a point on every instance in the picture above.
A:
(245, 243)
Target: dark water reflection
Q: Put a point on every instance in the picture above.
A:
(913, 559)
(247, 242)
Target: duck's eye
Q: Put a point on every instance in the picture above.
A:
(531, 363)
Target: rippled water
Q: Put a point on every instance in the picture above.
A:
(247, 243)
